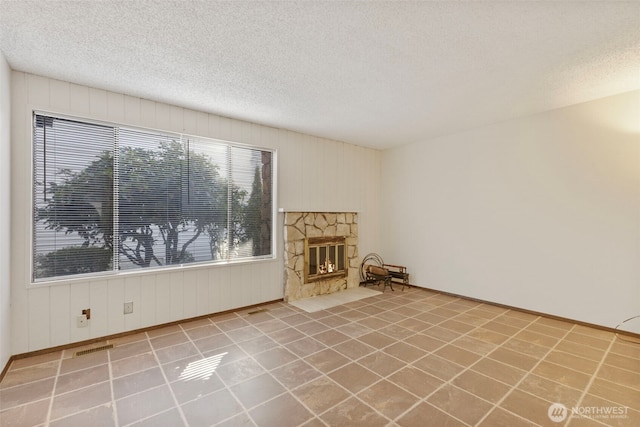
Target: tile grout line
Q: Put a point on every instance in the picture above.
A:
(323, 374)
(465, 369)
(314, 414)
(354, 320)
(53, 389)
(513, 387)
(351, 394)
(382, 378)
(137, 393)
(166, 381)
(225, 386)
(445, 343)
(113, 396)
(28, 383)
(236, 343)
(283, 346)
(66, 415)
(593, 377)
(483, 356)
(267, 371)
(530, 371)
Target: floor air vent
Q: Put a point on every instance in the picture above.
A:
(261, 310)
(93, 350)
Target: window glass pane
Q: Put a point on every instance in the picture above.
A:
(152, 223)
(73, 197)
(251, 202)
(205, 199)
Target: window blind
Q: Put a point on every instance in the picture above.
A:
(111, 198)
(73, 195)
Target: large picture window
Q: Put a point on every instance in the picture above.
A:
(110, 198)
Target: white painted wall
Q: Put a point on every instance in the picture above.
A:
(313, 174)
(5, 212)
(541, 213)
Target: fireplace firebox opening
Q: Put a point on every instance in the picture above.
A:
(324, 257)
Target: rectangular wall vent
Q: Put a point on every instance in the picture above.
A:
(93, 350)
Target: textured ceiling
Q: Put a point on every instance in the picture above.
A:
(377, 74)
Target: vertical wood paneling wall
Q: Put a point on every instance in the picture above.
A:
(5, 213)
(314, 174)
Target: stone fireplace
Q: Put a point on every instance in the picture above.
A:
(320, 253)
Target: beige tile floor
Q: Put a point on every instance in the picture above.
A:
(405, 358)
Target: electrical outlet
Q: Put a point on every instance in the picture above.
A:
(82, 321)
(128, 307)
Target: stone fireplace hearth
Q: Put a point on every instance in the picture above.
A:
(320, 253)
